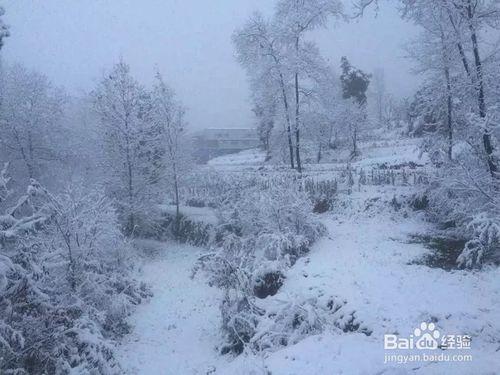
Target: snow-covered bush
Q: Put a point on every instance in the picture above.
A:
(322, 193)
(287, 324)
(484, 234)
(65, 284)
(229, 268)
(4, 180)
(281, 207)
(464, 197)
(212, 189)
(229, 265)
(240, 317)
(264, 229)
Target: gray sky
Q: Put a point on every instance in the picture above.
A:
(73, 42)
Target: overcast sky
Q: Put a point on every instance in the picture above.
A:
(73, 42)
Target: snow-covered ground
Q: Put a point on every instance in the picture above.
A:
(197, 214)
(177, 331)
(246, 157)
(365, 262)
(373, 153)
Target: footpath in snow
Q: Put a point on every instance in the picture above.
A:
(177, 331)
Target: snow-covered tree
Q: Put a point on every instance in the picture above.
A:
(168, 117)
(321, 118)
(134, 148)
(262, 53)
(379, 90)
(65, 285)
(435, 55)
(277, 57)
(4, 29)
(354, 87)
(295, 18)
(30, 112)
(265, 110)
(459, 94)
(468, 19)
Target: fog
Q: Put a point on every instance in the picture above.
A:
(189, 42)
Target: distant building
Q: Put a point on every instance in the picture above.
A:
(211, 143)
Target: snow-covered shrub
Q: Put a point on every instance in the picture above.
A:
(281, 207)
(284, 246)
(265, 227)
(465, 198)
(240, 317)
(229, 266)
(195, 233)
(148, 224)
(160, 223)
(322, 193)
(4, 181)
(212, 189)
(65, 282)
(288, 324)
(484, 242)
(419, 201)
(195, 202)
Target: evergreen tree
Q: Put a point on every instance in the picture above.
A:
(354, 83)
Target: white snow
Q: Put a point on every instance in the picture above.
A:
(246, 157)
(176, 333)
(365, 261)
(205, 215)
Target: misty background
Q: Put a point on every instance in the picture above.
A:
(73, 43)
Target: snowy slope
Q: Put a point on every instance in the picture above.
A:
(365, 262)
(246, 157)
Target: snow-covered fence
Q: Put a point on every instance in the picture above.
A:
(213, 190)
(392, 176)
(321, 193)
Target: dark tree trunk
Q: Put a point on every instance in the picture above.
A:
(177, 205)
(449, 103)
(460, 47)
(130, 185)
(297, 112)
(355, 142)
(449, 112)
(287, 117)
(297, 124)
(488, 147)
